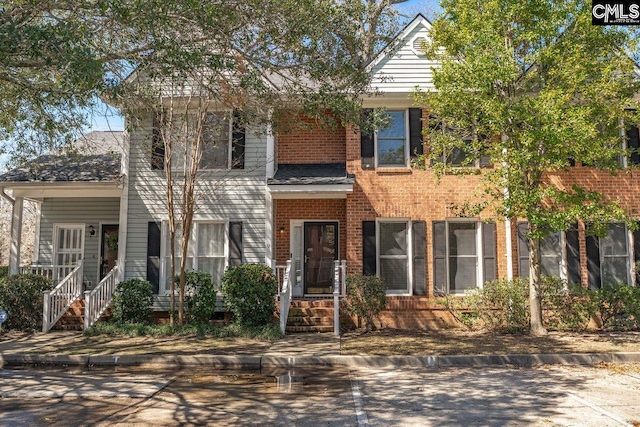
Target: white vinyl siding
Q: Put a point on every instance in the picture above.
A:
(405, 68)
(77, 210)
(231, 194)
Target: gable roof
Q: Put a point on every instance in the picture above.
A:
(389, 49)
(96, 159)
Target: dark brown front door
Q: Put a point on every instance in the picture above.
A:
(108, 249)
(320, 252)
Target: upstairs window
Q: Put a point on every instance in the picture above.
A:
(457, 146)
(392, 142)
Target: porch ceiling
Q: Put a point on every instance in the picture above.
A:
(39, 190)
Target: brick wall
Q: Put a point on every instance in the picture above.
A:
(310, 142)
(308, 210)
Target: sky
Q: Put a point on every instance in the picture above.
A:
(105, 118)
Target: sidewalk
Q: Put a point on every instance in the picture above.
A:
(299, 350)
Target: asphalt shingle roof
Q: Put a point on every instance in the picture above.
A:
(67, 168)
(313, 174)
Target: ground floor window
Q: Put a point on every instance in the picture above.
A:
(614, 256)
(393, 255)
(464, 255)
(552, 259)
(207, 250)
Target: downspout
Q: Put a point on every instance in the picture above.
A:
(7, 197)
(507, 223)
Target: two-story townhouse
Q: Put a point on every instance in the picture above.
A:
(316, 196)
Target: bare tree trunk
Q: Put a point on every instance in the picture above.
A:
(535, 294)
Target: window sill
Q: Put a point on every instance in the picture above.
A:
(394, 171)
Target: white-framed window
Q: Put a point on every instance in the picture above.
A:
(216, 144)
(208, 250)
(553, 256)
(464, 254)
(393, 248)
(615, 255)
(392, 142)
(457, 155)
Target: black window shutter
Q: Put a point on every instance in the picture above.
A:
(489, 250)
(238, 139)
(574, 273)
(523, 249)
(485, 161)
(593, 262)
(633, 144)
(157, 147)
(636, 253)
(366, 142)
(415, 131)
(439, 258)
(419, 236)
(235, 243)
(153, 255)
(369, 261)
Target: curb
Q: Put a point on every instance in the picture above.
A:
(271, 361)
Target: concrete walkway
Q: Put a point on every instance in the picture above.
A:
(295, 350)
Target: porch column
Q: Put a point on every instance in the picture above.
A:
(16, 233)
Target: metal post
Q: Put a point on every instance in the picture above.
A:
(344, 278)
(45, 310)
(336, 299)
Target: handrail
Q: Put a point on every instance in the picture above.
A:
(280, 272)
(57, 301)
(97, 300)
(285, 297)
(52, 272)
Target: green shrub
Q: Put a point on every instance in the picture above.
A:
(21, 297)
(200, 296)
(250, 294)
(566, 306)
(366, 297)
(501, 304)
(619, 306)
(4, 271)
(132, 301)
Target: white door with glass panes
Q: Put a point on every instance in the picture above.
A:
(69, 248)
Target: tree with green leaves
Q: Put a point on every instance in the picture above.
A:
(535, 86)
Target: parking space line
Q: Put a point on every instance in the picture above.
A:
(599, 409)
(361, 415)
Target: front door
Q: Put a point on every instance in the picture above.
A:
(108, 249)
(320, 252)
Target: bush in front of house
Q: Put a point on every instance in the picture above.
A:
(4, 271)
(200, 296)
(132, 301)
(366, 297)
(618, 306)
(566, 306)
(21, 297)
(249, 292)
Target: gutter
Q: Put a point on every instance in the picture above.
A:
(6, 196)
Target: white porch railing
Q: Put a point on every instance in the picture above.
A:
(58, 301)
(97, 300)
(55, 273)
(285, 296)
(339, 290)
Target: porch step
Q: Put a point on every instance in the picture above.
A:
(73, 319)
(310, 316)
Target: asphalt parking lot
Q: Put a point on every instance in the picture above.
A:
(549, 395)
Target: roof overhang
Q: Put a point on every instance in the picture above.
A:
(41, 190)
(310, 191)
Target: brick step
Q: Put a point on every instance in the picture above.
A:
(314, 311)
(309, 321)
(312, 303)
(294, 329)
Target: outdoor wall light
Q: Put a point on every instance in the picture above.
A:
(281, 230)
(92, 231)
